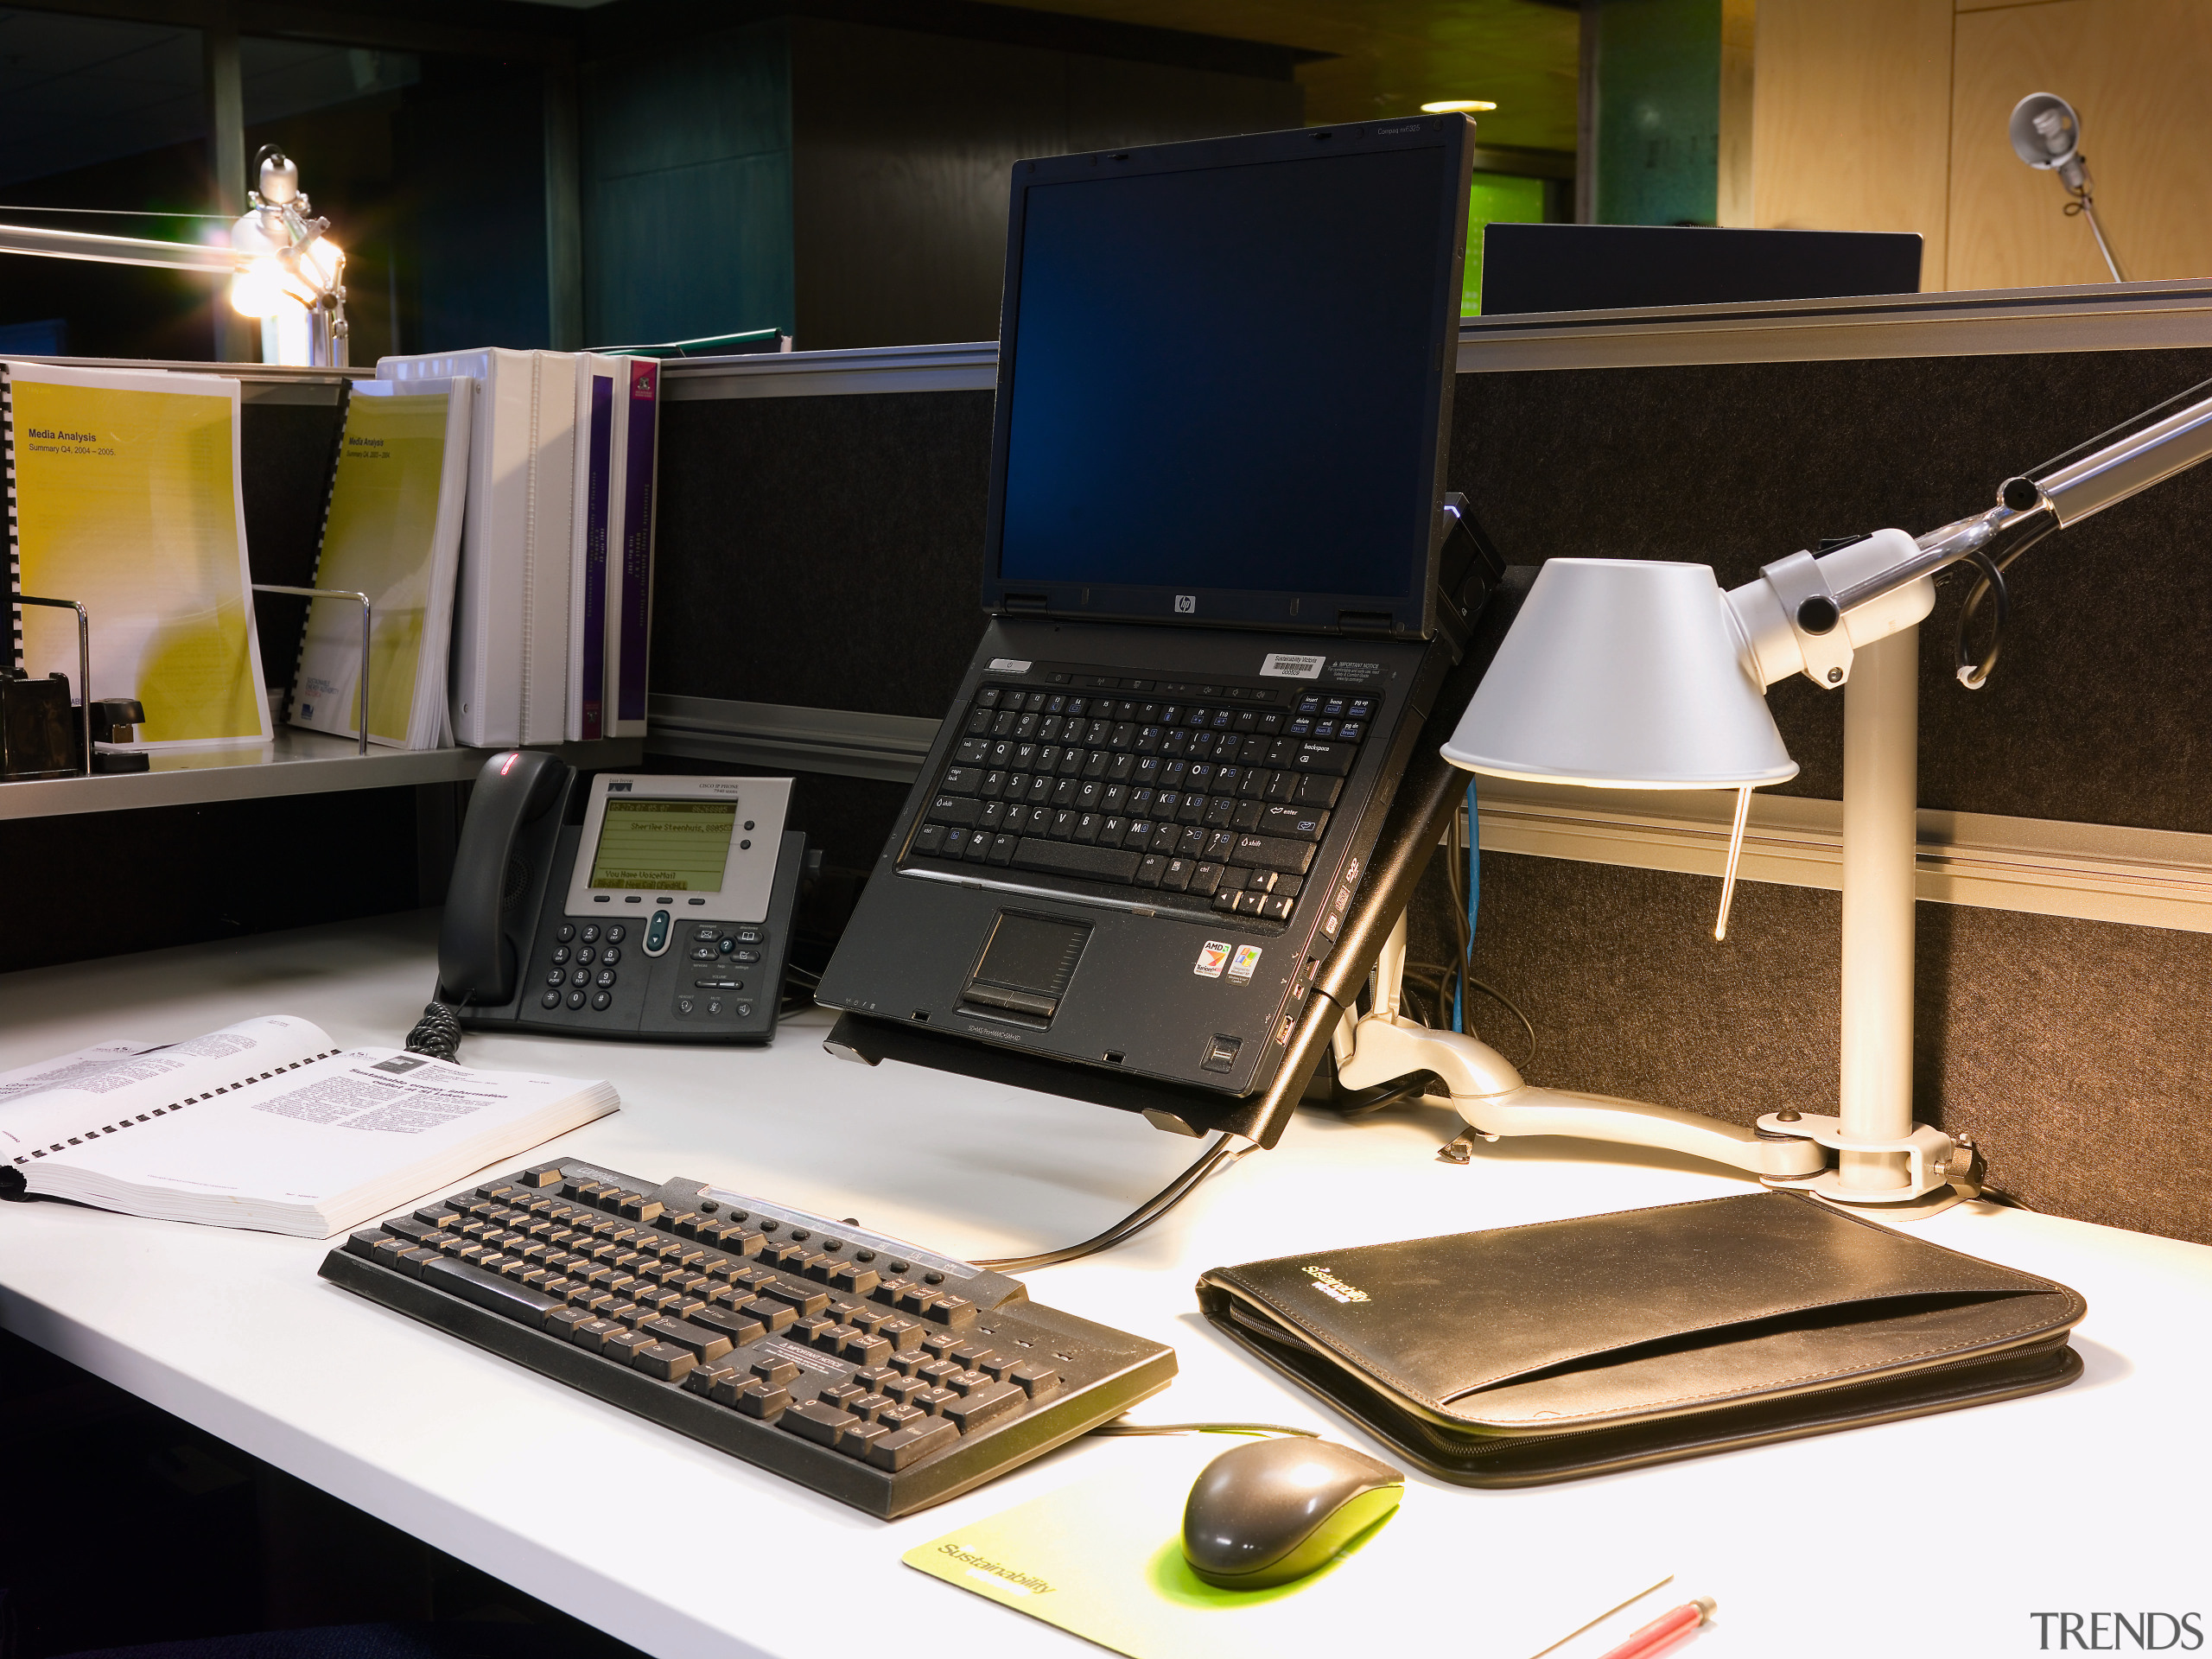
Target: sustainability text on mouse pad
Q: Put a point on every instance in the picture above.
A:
(1104, 1560)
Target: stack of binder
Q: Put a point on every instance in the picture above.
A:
(552, 616)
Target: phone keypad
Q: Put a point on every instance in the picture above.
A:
(584, 976)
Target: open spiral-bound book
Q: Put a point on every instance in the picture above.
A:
(269, 1124)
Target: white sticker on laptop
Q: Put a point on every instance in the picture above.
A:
(1281, 665)
(1213, 954)
(1015, 665)
(1248, 958)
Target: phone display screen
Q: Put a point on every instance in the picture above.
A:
(677, 846)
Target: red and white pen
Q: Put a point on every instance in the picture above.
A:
(1662, 1632)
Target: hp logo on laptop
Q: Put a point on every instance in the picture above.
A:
(1185, 604)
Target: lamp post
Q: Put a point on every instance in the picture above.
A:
(290, 274)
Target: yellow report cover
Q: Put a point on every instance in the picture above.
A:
(392, 532)
(127, 501)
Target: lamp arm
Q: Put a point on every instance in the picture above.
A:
(116, 249)
(1490, 1095)
(1807, 615)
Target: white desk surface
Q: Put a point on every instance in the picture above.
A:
(1939, 1535)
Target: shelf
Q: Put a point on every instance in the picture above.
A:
(298, 763)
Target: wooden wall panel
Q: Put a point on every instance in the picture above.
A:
(2136, 71)
(1850, 123)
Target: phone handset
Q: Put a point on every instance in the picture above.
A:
(514, 793)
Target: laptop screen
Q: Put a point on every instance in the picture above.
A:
(1225, 369)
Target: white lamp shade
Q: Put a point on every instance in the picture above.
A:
(1623, 674)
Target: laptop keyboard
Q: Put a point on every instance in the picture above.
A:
(1219, 792)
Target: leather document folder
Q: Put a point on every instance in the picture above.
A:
(1567, 1348)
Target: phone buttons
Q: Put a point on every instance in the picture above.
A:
(576, 999)
(657, 933)
(713, 1005)
(564, 933)
(684, 1005)
(603, 1001)
(616, 933)
(551, 1000)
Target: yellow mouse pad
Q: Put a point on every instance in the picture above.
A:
(1103, 1559)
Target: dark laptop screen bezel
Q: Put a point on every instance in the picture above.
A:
(1402, 614)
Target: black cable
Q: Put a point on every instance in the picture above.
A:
(1990, 575)
(1120, 1427)
(438, 1033)
(1225, 1150)
(1527, 1024)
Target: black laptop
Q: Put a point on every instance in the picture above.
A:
(1216, 508)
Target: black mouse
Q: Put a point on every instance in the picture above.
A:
(1274, 1510)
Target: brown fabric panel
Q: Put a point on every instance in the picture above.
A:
(2097, 711)
(822, 551)
(2077, 1052)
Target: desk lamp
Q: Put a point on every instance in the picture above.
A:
(290, 274)
(1639, 675)
(283, 267)
(2046, 133)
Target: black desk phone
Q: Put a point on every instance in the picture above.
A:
(651, 908)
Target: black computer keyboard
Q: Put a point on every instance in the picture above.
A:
(883, 1376)
(1222, 792)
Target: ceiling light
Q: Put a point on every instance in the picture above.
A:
(1456, 106)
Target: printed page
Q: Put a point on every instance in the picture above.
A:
(128, 501)
(332, 1141)
(62, 1104)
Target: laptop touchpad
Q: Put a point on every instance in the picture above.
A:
(1025, 968)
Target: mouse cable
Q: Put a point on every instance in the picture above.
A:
(1224, 1152)
(1118, 1427)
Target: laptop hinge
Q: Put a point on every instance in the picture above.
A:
(1364, 621)
(1024, 602)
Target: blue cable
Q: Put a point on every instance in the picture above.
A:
(1474, 900)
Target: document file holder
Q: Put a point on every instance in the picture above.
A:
(1539, 1353)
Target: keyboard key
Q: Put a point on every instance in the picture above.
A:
(1266, 852)
(1294, 822)
(963, 780)
(903, 1447)
(1037, 1382)
(955, 809)
(488, 1290)
(1204, 879)
(697, 1340)
(1109, 864)
(1175, 874)
(1316, 789)
(664, 1360)
(1335, 758)
(986, 1404)
(817, 1422)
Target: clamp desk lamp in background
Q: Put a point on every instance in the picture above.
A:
(283, 267)
(2046, 133)
(1629, 674)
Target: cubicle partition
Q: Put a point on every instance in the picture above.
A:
(819, 562)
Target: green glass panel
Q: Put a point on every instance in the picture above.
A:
(1495, 196)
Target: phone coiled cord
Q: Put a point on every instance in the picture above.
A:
(438, 1033)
